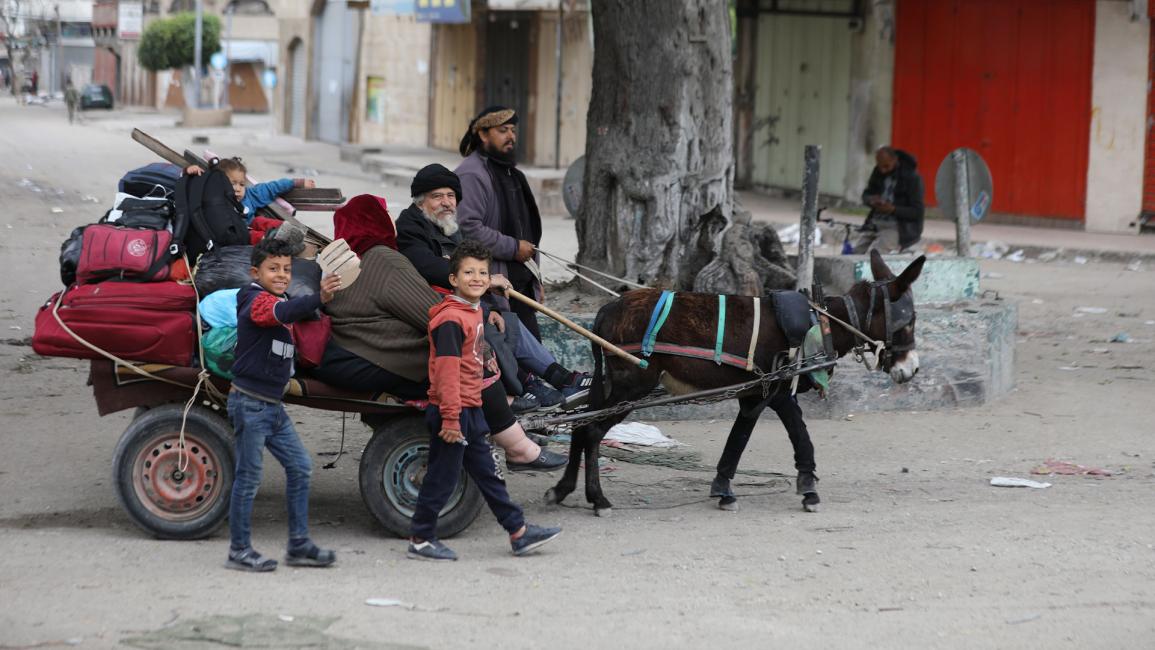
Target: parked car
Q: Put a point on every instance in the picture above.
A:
(95, 96)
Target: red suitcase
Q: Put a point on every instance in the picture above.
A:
(155, 296)
(128, 331)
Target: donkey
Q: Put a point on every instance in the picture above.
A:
(883, 310)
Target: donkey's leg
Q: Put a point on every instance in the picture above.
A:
(735, 444)
(594, 495)
(568, 480)
(786, 406)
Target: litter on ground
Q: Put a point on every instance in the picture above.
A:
(1010, 481)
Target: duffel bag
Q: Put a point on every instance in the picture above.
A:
(155, 179)
(138, 254)
(130, 333)
(220, 346)
(153, 296)
(70, 255)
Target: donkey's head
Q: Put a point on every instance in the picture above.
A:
(885, 310)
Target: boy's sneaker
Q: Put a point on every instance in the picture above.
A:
(309, 554)
(430, 549)
(524, 404)
(533, 538)
(250, 560)
(545, 394)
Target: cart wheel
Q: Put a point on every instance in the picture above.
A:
(392, 468)
(161, 499)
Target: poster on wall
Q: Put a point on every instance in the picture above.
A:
(129, 19)
(442, 11)
(375, 99)
(391, 7)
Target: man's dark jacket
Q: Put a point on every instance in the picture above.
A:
(423, 243)
(908, 205)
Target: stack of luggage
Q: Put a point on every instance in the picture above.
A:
(128, 290)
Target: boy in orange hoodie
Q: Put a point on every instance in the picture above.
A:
(456, 424)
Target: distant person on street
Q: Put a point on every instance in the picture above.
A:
(35, 83)
(894, 196)
(497, 207)
(72, 100)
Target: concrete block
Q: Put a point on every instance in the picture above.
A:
(966, 357)
(354, 152)
(943, 279)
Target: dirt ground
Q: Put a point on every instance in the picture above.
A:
(913, 548)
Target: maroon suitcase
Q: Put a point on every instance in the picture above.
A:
(154, 296)
(118, 325)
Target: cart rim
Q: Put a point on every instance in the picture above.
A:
(165, 493)
(403, 474)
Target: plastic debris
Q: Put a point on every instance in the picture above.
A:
(1121, 337)
(285, 617)
(1010, 481)
(1067, 468)
(1079, 259)
(1091, 310)
(1017, 256)
(57, 210)
(638, 433)
(792, 233)
(389, 602)
(1136, 265)
(1050, 256)
(991, 250)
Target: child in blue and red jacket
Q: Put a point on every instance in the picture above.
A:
(255, 197)
(264, 363)
(457, 354)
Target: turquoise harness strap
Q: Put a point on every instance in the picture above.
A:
(657, 319)
(721, 329)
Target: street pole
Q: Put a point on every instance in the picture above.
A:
(962, 203)
(228, 52)
(809, 222)
(557, 107)
(197, 53)
(56, 64)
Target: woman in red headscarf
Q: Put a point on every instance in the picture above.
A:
(380, 324)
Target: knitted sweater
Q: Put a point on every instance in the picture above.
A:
(384, 316)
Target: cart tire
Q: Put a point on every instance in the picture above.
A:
(392, 468)
(167, 503)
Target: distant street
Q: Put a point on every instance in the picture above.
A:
(913, 547)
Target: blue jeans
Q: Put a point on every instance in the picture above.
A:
(258, 424)
(531, 354)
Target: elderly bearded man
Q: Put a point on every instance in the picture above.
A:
(427, 234)
(497, 206)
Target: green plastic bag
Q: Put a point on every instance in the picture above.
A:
(220, 346)
(812, 346)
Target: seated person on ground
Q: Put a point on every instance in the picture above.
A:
(380, 326)
(427, 234)
(894, 196)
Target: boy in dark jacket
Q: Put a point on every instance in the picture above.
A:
(455, 419)
(264, 363)
(894, 196)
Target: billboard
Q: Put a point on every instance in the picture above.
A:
(129, 19)
(442, 11)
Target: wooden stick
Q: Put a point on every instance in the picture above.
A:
(609, 347)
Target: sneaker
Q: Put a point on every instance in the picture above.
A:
(546, 395)
(525, 403)
(547, 461)
(430, 549)
(533, 538)
(309, 554)
(577, 391)
(249, 560)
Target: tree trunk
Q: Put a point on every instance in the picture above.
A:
(659, 175)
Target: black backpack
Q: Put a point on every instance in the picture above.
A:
(215, 218)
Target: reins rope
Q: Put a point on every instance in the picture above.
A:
(879, 346)
(571, 265)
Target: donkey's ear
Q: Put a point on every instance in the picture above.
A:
(879, 268)
(907, 277)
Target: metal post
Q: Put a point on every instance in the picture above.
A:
(228, 52)
(57, 65)
(557, 107)
(197, 53)
(962, 203)
(809, 217)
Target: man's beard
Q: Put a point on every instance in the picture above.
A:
(504, 156)
(446, 221)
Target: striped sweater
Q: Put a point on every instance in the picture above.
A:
(384, 316)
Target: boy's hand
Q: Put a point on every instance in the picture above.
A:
(193, 170)
(451, 436)
(329, 285)
(304, 182)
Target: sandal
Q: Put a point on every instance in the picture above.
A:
(250, 560)
(310, 554)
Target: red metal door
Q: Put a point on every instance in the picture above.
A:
(1010, 79)
(1149, 154)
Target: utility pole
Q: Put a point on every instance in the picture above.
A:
(57, 67)
(197, 52)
